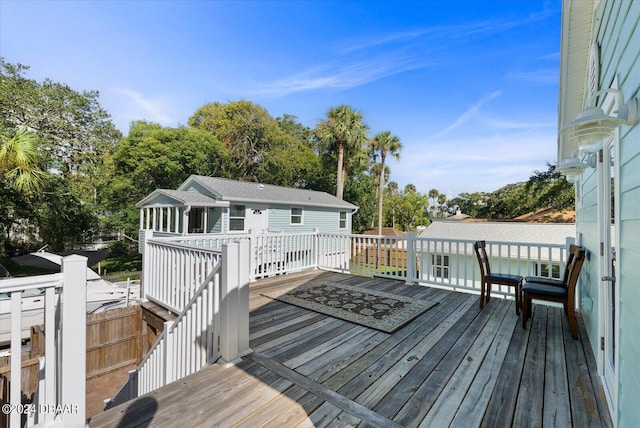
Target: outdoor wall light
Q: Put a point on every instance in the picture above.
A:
(592, 125)
(572, 166)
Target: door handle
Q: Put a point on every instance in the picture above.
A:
(608, 278)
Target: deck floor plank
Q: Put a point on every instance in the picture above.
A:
(453, 394)
(418, 406)
(454, 365)
(556, 387)
(531, 392)
(477, 398)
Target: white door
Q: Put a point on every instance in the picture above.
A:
(608, 287)
(257, 221)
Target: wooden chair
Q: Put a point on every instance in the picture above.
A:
(563, 293)
(573, 250)
(488, 278)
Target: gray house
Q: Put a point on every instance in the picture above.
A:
(211, 205)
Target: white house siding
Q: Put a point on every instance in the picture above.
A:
(616, 31)
(325, 219)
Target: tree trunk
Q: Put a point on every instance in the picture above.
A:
(340, 174)
(380, 197)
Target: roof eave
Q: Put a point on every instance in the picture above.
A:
(577, 26)
(346, 206)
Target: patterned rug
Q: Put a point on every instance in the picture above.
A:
(376, 309)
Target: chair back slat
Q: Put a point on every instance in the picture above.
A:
(480, 248)
(576, 256)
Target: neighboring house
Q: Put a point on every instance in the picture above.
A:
(441, 258)
(599, 51)
(210, 205)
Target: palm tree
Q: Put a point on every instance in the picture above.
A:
(19, 162)
(383, 144)
(344, 133)
(433, 195)
(442, 199)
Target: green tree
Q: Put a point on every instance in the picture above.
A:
(344, 134)
(154, 157)
(74, 136)
(255, 140)
(19, 162)
(442, 200)
(433, 195)
(72, 126)
(413, 208)
(383, 144)
(550, 189)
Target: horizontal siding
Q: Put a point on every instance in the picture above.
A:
(616, 30)
(325, 220)
(198, 188)
(161, 201)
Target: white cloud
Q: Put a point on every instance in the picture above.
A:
(127, 105)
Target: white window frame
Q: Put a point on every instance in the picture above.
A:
(292, 215)
(243, 217)
(440, 266)
(345, 220)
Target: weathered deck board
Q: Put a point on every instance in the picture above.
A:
(454, 365)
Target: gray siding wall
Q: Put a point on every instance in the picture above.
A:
(324, 219)
(616, 30)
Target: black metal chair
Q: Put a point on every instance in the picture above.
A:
(555, 290)
(488, 278)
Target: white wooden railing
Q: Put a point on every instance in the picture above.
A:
(60, 396)
(447, 263)
(213, 323)
(173, 271)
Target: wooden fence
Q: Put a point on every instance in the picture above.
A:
(114, 341)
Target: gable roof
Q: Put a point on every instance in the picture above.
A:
(245, 191)
(182, 198)
(541, 233)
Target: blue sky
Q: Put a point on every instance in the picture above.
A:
(471, 92)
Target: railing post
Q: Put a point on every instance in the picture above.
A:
(315, 238)
(243, 298)
(229, 321)
(74, 348)
(143, 247)
(411, 257)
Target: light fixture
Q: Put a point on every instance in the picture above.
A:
(572, 166)
(592, 125)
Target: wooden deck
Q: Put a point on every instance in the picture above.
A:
(455, 365)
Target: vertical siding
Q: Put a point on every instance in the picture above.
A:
(616, 30)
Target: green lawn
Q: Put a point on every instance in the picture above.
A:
(120, 267)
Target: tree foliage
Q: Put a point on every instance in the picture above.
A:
(383, 144)
(66, 173)
(544, 189)
(342, 136)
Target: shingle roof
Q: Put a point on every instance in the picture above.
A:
(543, 233)
(185, 197)
(244, 191)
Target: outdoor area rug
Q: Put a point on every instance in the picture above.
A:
(375, 309)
